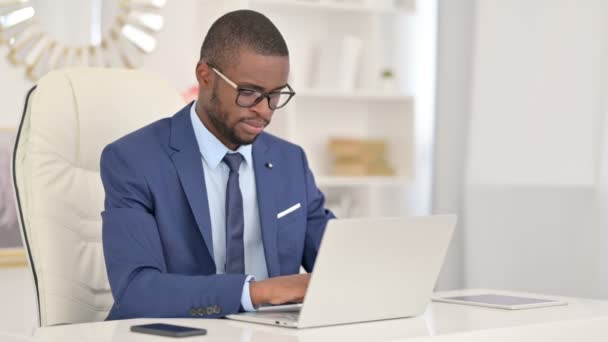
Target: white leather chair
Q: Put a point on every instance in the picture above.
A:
(69, 117)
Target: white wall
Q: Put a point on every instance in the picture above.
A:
(537, 95)
(532, 209)
(18, 314)
(421, 65)
(455, 47)
(13, 87)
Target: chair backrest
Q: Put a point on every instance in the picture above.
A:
(69, 117)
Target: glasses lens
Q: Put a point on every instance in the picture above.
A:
(278, 100)
(248, 97)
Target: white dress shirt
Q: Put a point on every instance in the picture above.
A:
(216, 177)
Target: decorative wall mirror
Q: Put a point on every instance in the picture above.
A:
(44, 35)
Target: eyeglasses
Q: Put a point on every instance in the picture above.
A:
(247, 97)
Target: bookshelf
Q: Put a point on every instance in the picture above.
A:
(361, 106)
(358, 181)
(365, 95)
(338, 6)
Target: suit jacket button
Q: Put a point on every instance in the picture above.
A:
(201, 311)
(209, 310)
(217, 309)
(193, 312)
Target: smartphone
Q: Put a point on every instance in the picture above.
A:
(169, 330)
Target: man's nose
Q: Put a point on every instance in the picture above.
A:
(263, 110)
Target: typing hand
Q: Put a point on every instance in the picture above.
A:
(280, 290)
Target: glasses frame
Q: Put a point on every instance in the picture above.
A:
(264, 95)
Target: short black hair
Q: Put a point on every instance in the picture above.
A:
(241, 29)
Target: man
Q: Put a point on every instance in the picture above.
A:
(205, 214)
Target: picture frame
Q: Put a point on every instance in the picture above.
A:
(12, 253)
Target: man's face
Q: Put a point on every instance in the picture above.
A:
(232, 124)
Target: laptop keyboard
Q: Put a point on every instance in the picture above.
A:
(285, 316)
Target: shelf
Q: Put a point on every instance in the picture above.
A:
(362, 95)
(334, 5)
(350, 97)
(341, 181)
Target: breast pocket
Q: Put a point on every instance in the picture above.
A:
(290, 238)
(290, 214)
(292, 225)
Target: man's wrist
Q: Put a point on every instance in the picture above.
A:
(258, 293)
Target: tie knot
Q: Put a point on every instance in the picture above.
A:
(233, 160)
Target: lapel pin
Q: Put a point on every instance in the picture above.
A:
(269, 165)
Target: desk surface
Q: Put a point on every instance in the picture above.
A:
(6, 337)
(441, 321)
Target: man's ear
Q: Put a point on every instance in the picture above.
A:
(203, 74)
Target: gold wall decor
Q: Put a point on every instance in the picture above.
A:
(129, 37)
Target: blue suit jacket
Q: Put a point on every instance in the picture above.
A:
(157, 231)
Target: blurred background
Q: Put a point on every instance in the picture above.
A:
(491, 109)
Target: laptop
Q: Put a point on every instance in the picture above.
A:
(367, 270)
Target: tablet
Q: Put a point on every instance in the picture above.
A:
(499, 301)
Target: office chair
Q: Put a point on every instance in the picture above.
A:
(69, 117)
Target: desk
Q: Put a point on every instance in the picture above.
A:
(5, 337)
(441, 322)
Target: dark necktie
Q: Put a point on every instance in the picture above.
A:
(235, 250)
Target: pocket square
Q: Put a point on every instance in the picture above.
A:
(288, 210)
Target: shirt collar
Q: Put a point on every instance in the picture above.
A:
(212, 149)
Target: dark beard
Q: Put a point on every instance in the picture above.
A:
(216, 116)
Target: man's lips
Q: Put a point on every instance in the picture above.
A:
(254, 126)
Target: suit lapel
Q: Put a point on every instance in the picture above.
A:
(267, 201)
(187, 161)
(189, 166)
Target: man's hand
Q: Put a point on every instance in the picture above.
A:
(279, 290)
